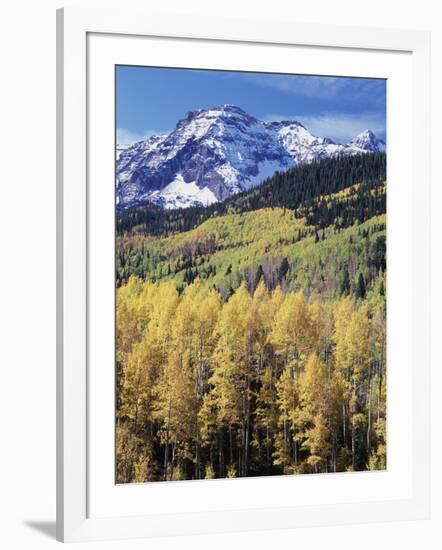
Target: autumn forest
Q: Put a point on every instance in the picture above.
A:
(251, 334)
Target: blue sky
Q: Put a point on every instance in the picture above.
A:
(152, 100)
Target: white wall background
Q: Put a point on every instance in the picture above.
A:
(27, 272)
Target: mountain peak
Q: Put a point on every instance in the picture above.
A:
(367, 141)
(201, 121)
(367, 133)
(284, 123)
(230, 107)
(218, 110)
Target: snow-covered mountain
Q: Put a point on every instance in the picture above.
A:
(367, 141)
(214, 153)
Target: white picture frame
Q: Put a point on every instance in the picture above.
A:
(77, 217)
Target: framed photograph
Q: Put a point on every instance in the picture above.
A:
(243, 266)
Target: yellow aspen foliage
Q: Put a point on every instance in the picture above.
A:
(317, 442)
(313, 385)
(287, 399)
(292, 333)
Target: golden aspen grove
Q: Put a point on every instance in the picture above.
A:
(251, 334)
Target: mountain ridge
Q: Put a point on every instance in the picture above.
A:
(213, 154)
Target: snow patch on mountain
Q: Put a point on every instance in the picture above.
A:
(181, 194)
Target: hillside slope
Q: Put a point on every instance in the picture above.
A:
(296, 188)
